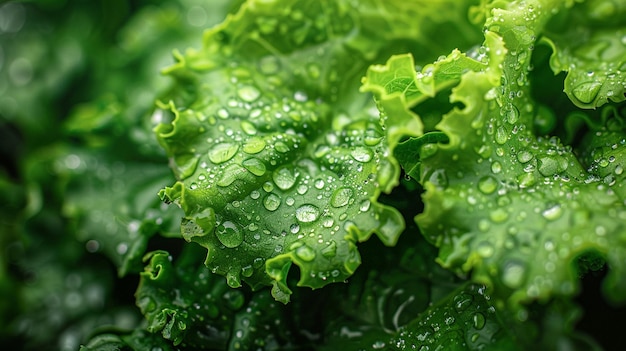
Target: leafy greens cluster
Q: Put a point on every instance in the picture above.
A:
(482, 142)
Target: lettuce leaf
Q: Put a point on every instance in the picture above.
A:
(279, 159)
(513, 208)
(592, 52)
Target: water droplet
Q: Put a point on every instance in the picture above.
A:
(305, 253)
(230, 174)
(294, 228)
(479, 320)
(328, 221)
(330, 250)
(547, 166)
(248, 128)
(307, 213)
(319, 184)
(462, 301)
(223, 152)
(361, 154)
(255, 166)
(229, 234)
(513, 274)
(526, 180)
(254, 145)
(372, 137)
(302, 189)
(122, 248)
(587, 92)
(300, 96)
(271, 202)
(439, 178)
(284, 178)
(365, 205)
(487, 185)
(498, 215)
(378, 345)
(524, 156)
(247, 271)
(248, 93)
(269, 65)
(255, 194)
(485, 249)
(496, 167)
(281, 147)
(222, 113)
(449, 320)
(511, 114)
(552, 213)
(341, 197)
(501, 135)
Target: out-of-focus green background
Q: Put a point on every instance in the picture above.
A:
(78, 81)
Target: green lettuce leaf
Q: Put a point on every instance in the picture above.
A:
(194, 308)
(514, 209)
(279, 159)
(589, 43)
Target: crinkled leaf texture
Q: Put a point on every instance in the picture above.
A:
(279, 158)
(589, 42)
(194, 308)
(514, 208)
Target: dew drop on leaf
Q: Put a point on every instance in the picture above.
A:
(319, 183)
(222, 113)
(269, 65)
(281, 147)
(361, 154)
(247, 271)
(487, 185)
(485, 249)
(223, 152)
(294, 228)
(254, 145)
(439, 178)
(501, 135)
(462, 301)
(330, 250)
(365, 205)
(229, 234)
(248, 128)
(248, 93)
(496, 167)
(547, 166)
(302, 189)
(478, 320)
(255, 166)
(498, 215)
(513, 274)
(341, 197)
(328, 221)
(307, 213)
(587, 92)
(230, 174)
(284, 178)
(552, 213)
(372, 137)
(271, 202)
(305, 253)
(524, 156)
